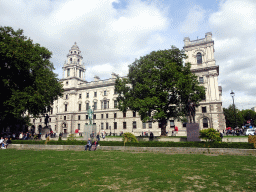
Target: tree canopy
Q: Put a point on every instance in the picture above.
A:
(237, 117)
(28, 82)
(158, 86)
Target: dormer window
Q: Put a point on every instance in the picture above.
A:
(199, 58)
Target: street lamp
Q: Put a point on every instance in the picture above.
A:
(233, 95)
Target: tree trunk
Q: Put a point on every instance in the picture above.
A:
(163, 127)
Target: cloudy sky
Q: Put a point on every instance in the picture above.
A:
(112, 33)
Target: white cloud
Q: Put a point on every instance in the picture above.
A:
(234, 32)
(194, 19)
(104, 35)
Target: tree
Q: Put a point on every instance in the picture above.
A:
(158, 86)
(28, 83)
(233, 119)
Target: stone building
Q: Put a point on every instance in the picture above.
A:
(70, 112)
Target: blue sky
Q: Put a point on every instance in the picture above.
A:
(112, 33)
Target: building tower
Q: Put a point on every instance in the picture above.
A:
(200, 54)
(73, 69)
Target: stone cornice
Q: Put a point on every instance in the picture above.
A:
(199, 70)
(197, 43)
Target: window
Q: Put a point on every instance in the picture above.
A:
(105, 104)
(86, 117)
(115, 125)
(115, 103)
(40, 120)
(68, 73)
(124, 125)
(66, 96)
(87, 95)
(80, 96)
(105, 93)
(106, 125)
(205, 123)
(144, 125)
(71, 52)
(75, 51)
(78, 59)
(102, 126)
(70, 60)
(172, 123)
(95, 105)
(124, 114)
(203, 109)
(50, 119)
(134, 125)
(199, 58)
(95, 94)
(184, 124)
(101, 116)
(114, 115)
(80, 106)
(106, 116)
(87, 106)
(78, 126)
(80, 73)
(66, 82)
(201, 80)
(34, 120)
(66, 107)
(65, 117)
(94, 116)
(78, 117)
(134, 114)
(150, 125)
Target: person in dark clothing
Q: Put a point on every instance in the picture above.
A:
(151, 136)
(88, 145)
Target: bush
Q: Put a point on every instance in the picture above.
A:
(210, 135)
(252, 139)
(130, 138)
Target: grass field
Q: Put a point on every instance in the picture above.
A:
(28, 170)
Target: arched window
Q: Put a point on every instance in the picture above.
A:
(205, 123)
(71, 52)
(199, 58)
(71, 60)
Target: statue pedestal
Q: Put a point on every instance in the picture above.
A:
(193, 132)
(88, 129)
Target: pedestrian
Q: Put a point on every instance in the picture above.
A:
(88, 145)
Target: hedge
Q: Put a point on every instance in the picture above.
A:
(239, 145)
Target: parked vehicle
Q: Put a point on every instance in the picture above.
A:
(249, 132)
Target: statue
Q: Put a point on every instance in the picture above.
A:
(90, 115)
(191, 111)
(46, 120)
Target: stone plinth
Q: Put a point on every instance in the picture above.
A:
(193, 132)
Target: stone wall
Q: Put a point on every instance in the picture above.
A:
(167, 150)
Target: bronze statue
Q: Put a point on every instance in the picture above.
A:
(191, 111)
(46, 120)
(90, 115)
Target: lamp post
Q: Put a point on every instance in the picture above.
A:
(233, 95)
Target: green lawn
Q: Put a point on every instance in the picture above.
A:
(28, 170)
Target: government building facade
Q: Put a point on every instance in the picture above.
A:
(69, 113)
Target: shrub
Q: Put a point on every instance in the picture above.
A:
(252, 139)
(210, 135)
(130, 138)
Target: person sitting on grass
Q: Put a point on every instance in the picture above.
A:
(88, 145)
